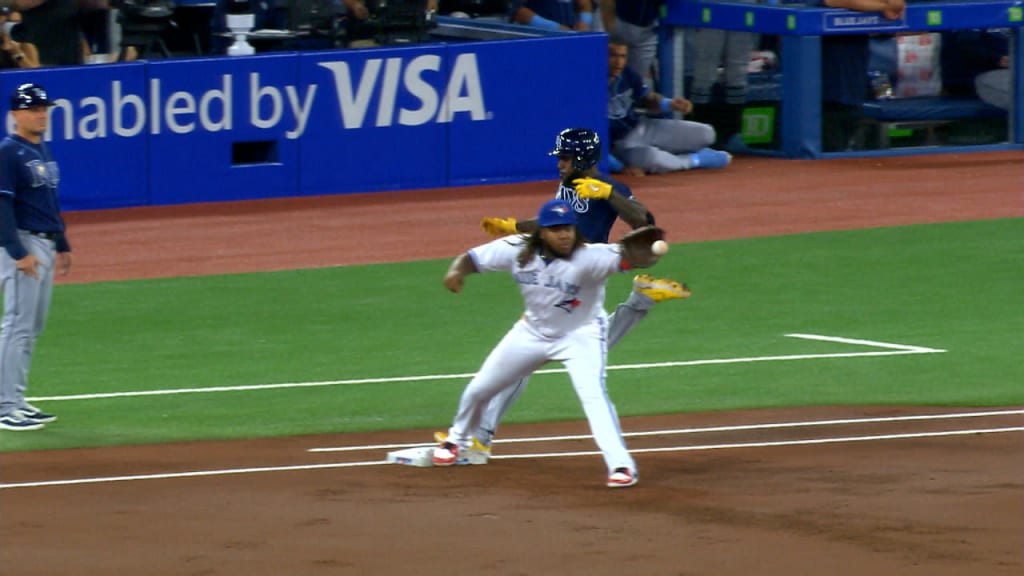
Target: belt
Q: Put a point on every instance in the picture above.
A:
(47, 235)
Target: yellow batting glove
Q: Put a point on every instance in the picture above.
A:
(592, 189)
(498, 227)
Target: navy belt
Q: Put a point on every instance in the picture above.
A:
(47, 235)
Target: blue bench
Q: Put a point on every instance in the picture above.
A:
(926, 112)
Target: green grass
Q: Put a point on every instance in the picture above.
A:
(956, 287)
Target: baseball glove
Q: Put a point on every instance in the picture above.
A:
(636, 246)
(498, 227)
(592, 188)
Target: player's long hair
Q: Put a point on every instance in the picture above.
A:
(535, 245)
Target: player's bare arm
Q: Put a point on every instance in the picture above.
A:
(527, 226)
(461, 267)
(891, 9)
(630, 210)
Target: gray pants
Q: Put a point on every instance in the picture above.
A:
(994, 87)
(26, 306)
(643, 47)
(711, 49)
(626, 315)
(660, 145)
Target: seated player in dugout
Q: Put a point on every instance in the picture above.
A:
(598, 201)
(645, 144)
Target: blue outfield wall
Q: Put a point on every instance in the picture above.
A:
(321, 122)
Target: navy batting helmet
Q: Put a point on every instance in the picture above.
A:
(29, 95)
(583, 144)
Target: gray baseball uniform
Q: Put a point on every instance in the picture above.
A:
(32, 234)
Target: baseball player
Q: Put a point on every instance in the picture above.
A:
(597, 201)
(562, 280)
(646, 145)
(35, 247)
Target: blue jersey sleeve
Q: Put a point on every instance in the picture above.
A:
(8, 223)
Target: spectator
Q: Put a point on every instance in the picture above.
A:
(54, 27)
(730, 49)
(636, 22)
(15, 54)
(844, 74)
(641, 144)
(555, 14)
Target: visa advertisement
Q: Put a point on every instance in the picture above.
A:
(321, 122)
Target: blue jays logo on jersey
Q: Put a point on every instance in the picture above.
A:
(569, 305)
(568, 195)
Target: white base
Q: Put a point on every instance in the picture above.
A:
(421, 457)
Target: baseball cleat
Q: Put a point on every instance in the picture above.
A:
(622, 478)
(710, 158)
(445, 455)
(476, 454)
(660, 289)
(33, 413)
(18, 422)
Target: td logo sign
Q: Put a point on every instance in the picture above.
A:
(758, 125)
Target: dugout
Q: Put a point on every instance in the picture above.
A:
(784, 108)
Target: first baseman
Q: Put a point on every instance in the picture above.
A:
(562, 281)
(35, 247)
(597, 201)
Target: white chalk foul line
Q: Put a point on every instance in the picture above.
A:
(176, 475)
(894, 350)
(775, 443)
(193, 474)
(706, 429)
(905, 347)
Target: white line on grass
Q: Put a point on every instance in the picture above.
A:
(733, 428)
(908, 348)
(176, 475)
(898, 349)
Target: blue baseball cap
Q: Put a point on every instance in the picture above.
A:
(556, 213)
(29, 95)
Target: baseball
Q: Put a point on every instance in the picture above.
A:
(660, 247)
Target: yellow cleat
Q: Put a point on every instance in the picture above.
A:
(660, 289)
(476, 454)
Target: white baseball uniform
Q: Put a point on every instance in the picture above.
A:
(565, 321)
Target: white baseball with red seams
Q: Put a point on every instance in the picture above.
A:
(659, 247)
